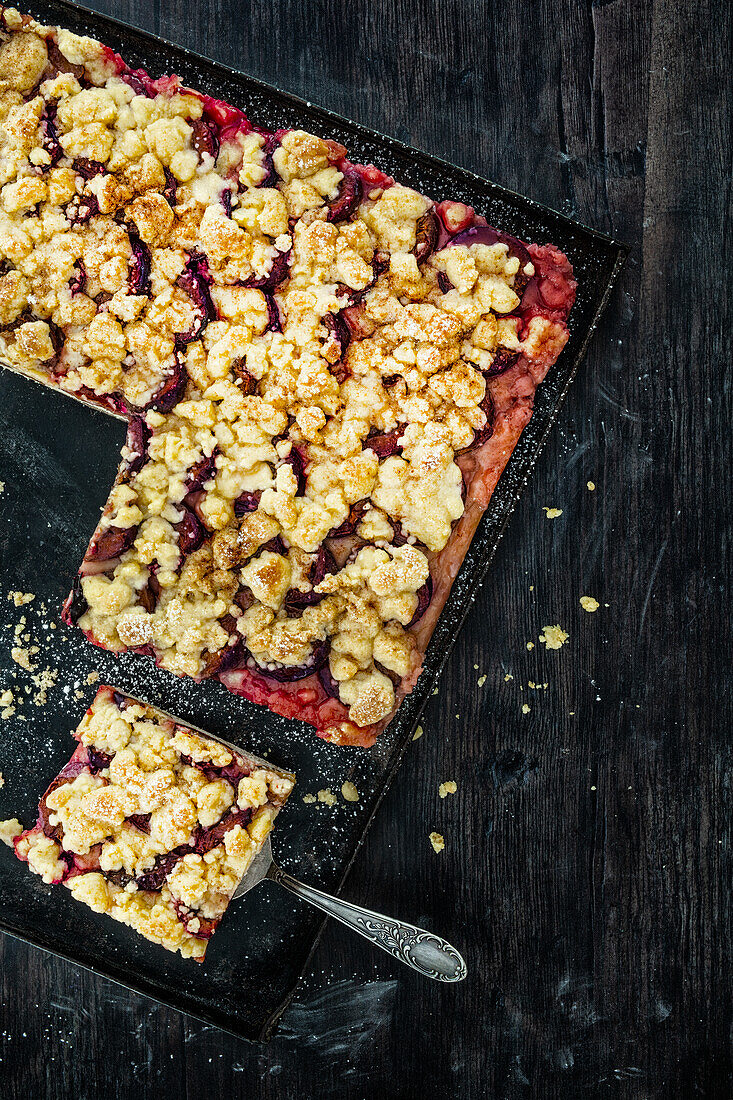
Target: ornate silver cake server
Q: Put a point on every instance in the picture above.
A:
(428, 954)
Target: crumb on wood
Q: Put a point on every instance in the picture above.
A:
(481, 680)
(591, 486)
(309, 799)
(21, 598)
(437, 842)
(588, 603)
(526, 708)
(349, 791)
(326, 795)
(449, 787)
(552, 513)
(418, 733)
(554, 637)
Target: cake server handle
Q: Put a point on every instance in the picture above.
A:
(430, 955)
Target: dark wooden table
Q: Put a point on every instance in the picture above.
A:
(587, 862)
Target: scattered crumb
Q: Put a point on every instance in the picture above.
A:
(309, 798)
(92, 677)
(2, 486)
(349, 791)
(481, 680)
(437, 842)
(475, 666)
(2, 780)
(591, 486)
(571, 713)
(530, 645)
(552, 513)
(526, 708)
(508, 677)
(23, 657)
(9, 830)
(589, 604)
(21, 598)
(434, 691)
(449, 787)
(44, 681)
(593, 788)
(327, 796)
(554, 637)
(531, 588)
(418, 733)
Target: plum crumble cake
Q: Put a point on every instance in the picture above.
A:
(324, 374)
(152, 822)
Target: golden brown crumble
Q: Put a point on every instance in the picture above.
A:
(437, 842)
(554, 637)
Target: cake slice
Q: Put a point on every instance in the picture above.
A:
(153, 823)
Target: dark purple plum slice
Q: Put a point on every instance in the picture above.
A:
(275, 546)
(338, 328)
(272, 178)
(226, 201)
(139, 280)
(171, 391)
(169, 191)
(195, 282)
(207, 837)
(279, 271)
(288, 674)
(135, 81)
(385, 444)
(244, 599)
(274, 322)
(112, 542)
(119, 700)
(247, 502)
(444, 282)
(138, 435)
(348, 198)
(140, 821)
(352, 521)
(98, 760)
(229, 656)
(81, 209)
(87, 169)
(201, 472)
(297, 461)
(50, 139)
(427, 232)
(191, 533)
(78, 605)
(79, 281)
(205, 137)
(323, 564)
(424, 596)
(503, 360)
(487, 405)
(330, 686)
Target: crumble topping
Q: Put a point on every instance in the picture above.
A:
(589, 603)
(449, 787)
(307, 351)
(554, 637)
(437, 842)
(151, 822)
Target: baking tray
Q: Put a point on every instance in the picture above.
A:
(58, 461)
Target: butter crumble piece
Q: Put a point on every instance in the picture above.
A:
(526, 708)
(418, 733)
(588, 603)
(437, 842)
(309, 799)
(552, 513)
(326, 795)
(554, 637)
(349, 791)
(449, 787)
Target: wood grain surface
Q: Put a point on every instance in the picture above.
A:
(587, 865)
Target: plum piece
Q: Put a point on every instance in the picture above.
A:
(169, 191)
(139, 279)
(171, 391)
(191, 533)
(136, 79)
(50, 139)
(195, 282)
(208, 836)
(140, 821)
(385, 444)
(339, 330)
(79, 281)
(247, 502)
(78, 605)
(205, 137)
(279, 270)
(297, 460)
(81, 209)
(503, 360)
(348, 198)
(275, 546)
(88, 169)
(330, 686)
(323, 564)
(274, 323)
(148, 596)
(98, 760)
(244, 599)
(228, 657)
(111, 543)
(201, 472)
(427, 232)
(444, 282)
(247, 382)
(226, 201)
(487, 405)
(352, 521)
(287, 674)
(138, 435)
(268, 149)
(424, 596)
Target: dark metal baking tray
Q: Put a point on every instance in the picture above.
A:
(58, 460)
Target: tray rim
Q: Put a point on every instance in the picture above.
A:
(479, 570)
